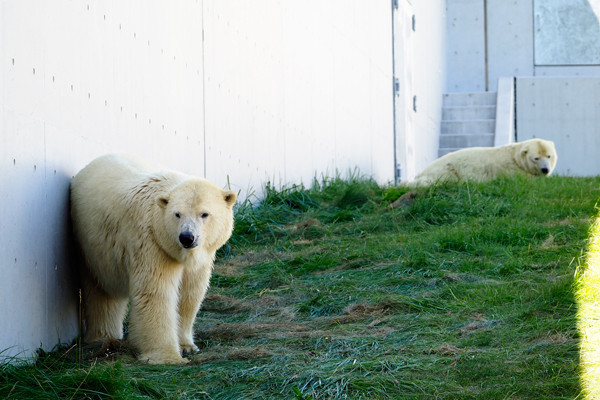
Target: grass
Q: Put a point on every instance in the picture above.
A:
(588, 312)
(468, 291)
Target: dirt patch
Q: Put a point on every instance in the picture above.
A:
(222, 304)
(358, 312)
(555, 339)
(307, 223)
(231, 354)
(479, 323)
(448, 350)
(237, 265)
(301, 242)
(236, 331)
(365, 309)
(405, 200)
(562, 222)
(111, 349)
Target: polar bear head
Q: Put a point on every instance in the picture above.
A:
(196, 214)
(538, 156)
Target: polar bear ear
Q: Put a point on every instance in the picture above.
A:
(524, 151)
(230, 197)
(162, 201)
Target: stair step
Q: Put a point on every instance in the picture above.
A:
(468, 127)
(461, 141)
(468, 113)
(467, 99)
(446, 150)
(442, 151)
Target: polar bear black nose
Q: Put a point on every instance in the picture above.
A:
(545, 171)
(187, 239)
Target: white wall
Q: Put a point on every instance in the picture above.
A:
(566, 111)
(509, 42)
(78, 79)
(276, 90)
(298, 89)
(420, 69)
(565, 33)
(510, 39)
(465, 51)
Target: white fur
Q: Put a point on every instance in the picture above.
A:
(124, 218)
(534, 157)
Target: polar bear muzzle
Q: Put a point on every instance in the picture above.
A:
(188, 240)
(545, 167)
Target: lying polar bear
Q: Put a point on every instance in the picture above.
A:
(534, 157)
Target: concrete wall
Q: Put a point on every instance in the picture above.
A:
(419, 46)
(275, 91)
(78, 79)
(510, 39)
(524, 38)
(298, 89)
(509, 47)
(567, 111)
(465, 51)
(567, 32)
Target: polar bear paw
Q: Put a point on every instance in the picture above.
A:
(158, 358)
(188, 349)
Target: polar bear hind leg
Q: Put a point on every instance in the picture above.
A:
(104, 314)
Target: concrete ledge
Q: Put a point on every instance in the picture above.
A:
(505, 112)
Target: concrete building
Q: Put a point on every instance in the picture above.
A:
(248, 91)
(551, 48)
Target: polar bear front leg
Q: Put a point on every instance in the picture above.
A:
(153, 318)
(193, 288)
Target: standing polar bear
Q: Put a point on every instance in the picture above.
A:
(535, 157)
(148, 239)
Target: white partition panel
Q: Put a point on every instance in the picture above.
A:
(245, 91)
(510, 39)
(295, 90)
(566, 111)
(465, 50)
(567, 32)
(78, 79)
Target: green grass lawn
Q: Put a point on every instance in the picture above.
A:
(467, 291)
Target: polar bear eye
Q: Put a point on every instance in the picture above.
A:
(177, 215)
(536, 159)
(204, 215)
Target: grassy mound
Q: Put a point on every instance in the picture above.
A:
(460, 291)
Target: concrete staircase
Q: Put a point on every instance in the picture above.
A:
(468, 120)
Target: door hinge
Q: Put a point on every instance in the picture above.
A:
(396, 86)
(395, 4)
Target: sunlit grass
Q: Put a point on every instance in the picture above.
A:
(588, 299)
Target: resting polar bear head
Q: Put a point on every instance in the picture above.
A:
(537, 156)
(198, 213)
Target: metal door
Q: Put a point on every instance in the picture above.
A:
(403, 29)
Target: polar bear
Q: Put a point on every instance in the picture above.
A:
(149, 240)
(534, 157)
